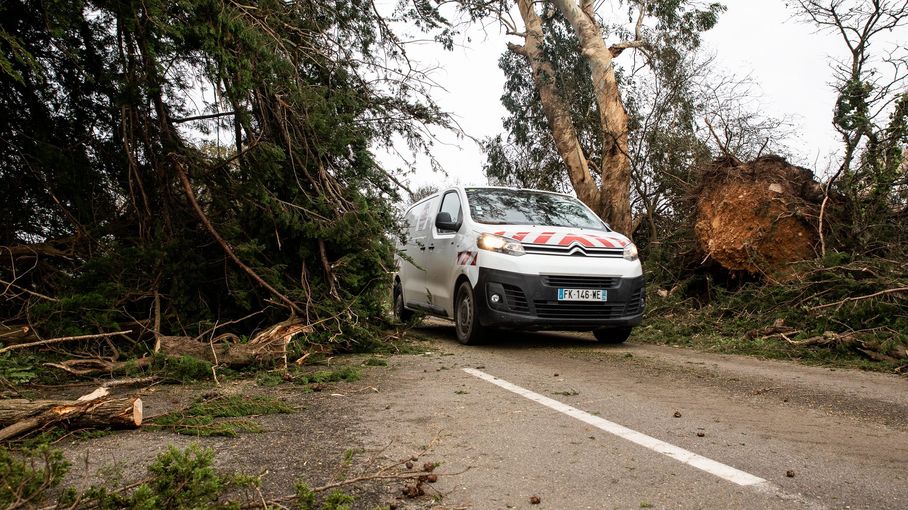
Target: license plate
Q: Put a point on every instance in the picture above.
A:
(582, 295)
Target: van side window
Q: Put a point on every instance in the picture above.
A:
(423, 220)
(410, 222)
(451, 205)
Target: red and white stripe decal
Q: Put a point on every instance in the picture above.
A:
(555, 239)
(543, 238)
(467, 258)
(569, 239)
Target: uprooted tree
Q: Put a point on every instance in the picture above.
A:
(173, 167)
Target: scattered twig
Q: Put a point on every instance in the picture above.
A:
(222, 324)
(409, 475)
(23, 289)
(820, 225)
(134, 381)
(157, 321)
(62, 339)
(859, 298)
(214, 354)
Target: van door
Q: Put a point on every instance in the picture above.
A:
(442, 256)
(412, 270)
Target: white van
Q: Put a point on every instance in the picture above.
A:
(519, 259)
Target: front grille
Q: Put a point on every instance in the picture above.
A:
(583, 251)
(581, 282)
(578, 310)
(516, 299)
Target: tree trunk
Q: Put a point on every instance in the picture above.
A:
(265, 348)
(614, 197)
(19, 416)
(554, 108)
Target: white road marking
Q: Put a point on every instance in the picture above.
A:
(680, 454)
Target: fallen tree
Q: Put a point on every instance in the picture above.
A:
(758, 217)
(267, 348)
(19, 416)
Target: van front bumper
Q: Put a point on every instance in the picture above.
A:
(531, 301)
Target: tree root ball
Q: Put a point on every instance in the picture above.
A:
(758, 217)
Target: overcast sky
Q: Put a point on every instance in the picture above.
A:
(788, 60)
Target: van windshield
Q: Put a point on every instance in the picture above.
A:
(494, 206)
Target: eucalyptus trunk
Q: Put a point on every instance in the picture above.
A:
(615, 169)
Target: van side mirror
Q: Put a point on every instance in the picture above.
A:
(444, 222)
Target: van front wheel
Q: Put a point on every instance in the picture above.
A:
(466, 319)
(400, 313)
(612, 335)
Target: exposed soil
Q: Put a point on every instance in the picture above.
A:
(759, 216)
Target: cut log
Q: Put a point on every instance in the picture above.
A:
(758, 217)
(10, 335)
(19, 416)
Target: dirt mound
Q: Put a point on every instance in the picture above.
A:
(758, 216)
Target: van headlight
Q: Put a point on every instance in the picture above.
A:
(501, 244)
(630, 252)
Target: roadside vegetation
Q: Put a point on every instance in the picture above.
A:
(177, 479)
(834, 312)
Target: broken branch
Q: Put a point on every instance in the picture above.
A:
(62, 339)
(190, 195)
(859, 298)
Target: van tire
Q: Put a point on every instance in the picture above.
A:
(612, 335)
(466, 319)
(400, 312)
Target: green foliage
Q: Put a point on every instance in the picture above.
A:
(205, 418)
(184, 479)
(18, 368)
(305, 498)
(348, 374)
(337, 500)
(177, 480)
(376, 362)
(27, 476)
(702, 313)
(183, 369)
(100, 136)
(268, 379)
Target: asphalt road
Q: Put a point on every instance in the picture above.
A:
(582, 425)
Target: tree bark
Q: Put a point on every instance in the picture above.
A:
(19, 416)
(554, 108)
(266, 348)
(614, 197)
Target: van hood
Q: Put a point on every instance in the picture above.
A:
(559, 236)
